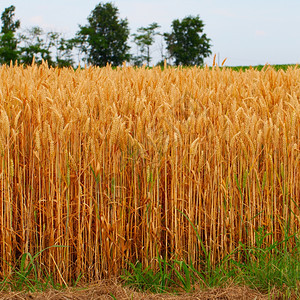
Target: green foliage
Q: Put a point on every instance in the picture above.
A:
(38, 44)
(29, 275)
(8, 41)
(187, 43)
(146, 279)
(104, 39)
(8, 48)
(35, 45)
(144, 39)
(266, 265)
(63, 49)
(8, 24)
(172, 276)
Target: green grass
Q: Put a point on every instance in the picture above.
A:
(269, 266)
(28, 275)
(262, 266)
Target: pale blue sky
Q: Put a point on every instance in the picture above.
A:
(245, 31)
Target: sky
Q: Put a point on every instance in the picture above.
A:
(246, 32)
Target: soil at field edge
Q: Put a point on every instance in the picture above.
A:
(111, 290)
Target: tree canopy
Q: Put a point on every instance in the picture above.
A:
(47, 46)
(104, 39)
(144, 39)
(34, 46)
(187, 43)
(8, 41)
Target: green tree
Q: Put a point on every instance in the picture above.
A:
(48, 46)
(62, 49)
(144, 39)
(35, 46)
(187, 43)
(8, 41)
(104, 39)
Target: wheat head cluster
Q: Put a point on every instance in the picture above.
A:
(106, 162)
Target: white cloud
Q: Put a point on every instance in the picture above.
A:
(40, 21)
(37, 20)
(225, 13)
(260, 33)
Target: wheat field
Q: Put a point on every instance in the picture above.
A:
(106, 162)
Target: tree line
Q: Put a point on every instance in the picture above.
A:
(104, 40)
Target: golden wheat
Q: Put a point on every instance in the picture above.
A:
(103, 160)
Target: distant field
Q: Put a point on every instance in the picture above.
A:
(283, 67)
(261, 67)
